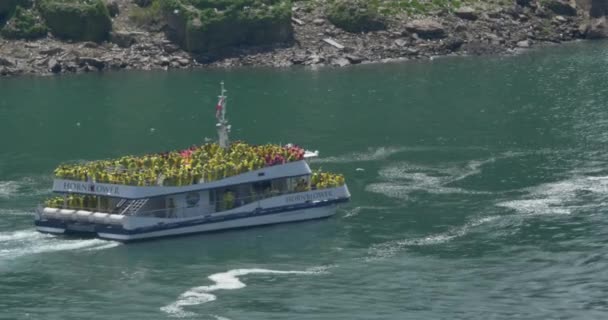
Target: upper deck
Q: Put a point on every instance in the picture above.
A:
(205, 166)
(291, 169)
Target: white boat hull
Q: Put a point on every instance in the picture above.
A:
(291, 216)
(308, 205)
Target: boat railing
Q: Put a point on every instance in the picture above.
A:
(185, 211)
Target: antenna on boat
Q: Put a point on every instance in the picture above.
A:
(223, 128)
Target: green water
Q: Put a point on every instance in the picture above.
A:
(479, 191)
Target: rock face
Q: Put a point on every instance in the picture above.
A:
(122, 39)
(598, 29)
(597, 26)
(82, 20)
(467, 13)
(561, 7)
(211, 31)
(426, 28)
(599, 8)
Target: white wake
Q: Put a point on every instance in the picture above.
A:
(560, 197)
(16, 244)
(388, 249)
(222, 281)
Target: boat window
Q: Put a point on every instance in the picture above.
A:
(279, 186)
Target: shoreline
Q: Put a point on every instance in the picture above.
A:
(496, 30)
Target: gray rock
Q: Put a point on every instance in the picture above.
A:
(426, 28)
(93, 62)
(354, 59)
(561, 7)
(54, 66)
(164, 61)
(71, 67)
(318, 22)
(460, 28)
(453, 43)
(466, 13)
(6, 62)
(175, 64)
(524, 44)
(90, 45)
(170, 48)
(122, 38)
(495, 14)
(183, 62)
(598, 29)
(315, 59)
(51, 51)
(298, 59)
(400, 42)
(340, 62)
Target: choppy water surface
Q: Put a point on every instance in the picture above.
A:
(480, 190)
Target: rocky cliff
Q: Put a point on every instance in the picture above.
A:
(56, 36)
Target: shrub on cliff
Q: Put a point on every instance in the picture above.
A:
(7, 8)
(356, 16)
(77, 19)
(211, 26)
(25, 24)
(147, 16)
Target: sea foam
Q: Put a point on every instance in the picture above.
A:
(222, 281)
(15, 244)
(391, 248)
(561, 197)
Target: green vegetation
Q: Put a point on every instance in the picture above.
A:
(77, 19)
(356, 15)
(148, 15)
(205, 163)
(210, 26)
(7, 8)
(25, 24)
(415, 6)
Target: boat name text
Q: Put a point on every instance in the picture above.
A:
(90, 188)
(310, 196)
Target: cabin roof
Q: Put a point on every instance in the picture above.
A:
(291, 169)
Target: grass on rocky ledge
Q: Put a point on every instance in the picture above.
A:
(409, 7)
(148, 15)
(25, 24)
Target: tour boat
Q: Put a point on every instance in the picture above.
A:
(211, 187)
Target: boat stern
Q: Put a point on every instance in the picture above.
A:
(82, 222)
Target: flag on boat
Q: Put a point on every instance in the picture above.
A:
(219, 107)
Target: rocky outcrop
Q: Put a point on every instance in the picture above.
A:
(82, 20)
(467, 13)
(426, 28)
(299, 33)
(561, 7)
(212, 31)
(598, 28)
(596, 10)
(599, 8)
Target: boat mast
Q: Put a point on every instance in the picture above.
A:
(223, 128)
